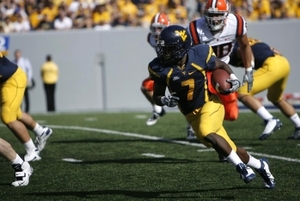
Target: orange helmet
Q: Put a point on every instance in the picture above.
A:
(158, 22)
(215, 12)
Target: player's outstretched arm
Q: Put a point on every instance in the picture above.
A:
(248, 60)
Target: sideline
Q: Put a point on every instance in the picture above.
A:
(148, 137)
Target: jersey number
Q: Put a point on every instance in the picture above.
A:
(222, 50)
(190, 83)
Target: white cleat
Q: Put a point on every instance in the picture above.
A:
(42, 139)
(33, 155)
(22, 174)
(154, 117)
(272, 125)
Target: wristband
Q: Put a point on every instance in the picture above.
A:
(251, 67)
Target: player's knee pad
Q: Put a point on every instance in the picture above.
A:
(7, 116)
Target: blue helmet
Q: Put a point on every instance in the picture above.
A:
(173, 43)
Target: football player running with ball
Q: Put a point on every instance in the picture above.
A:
(158, 22)
(182, 69)
(271, 73)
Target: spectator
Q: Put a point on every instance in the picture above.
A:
(101, 17)
(178, 13)
(82, 18)
(50, 10)
(49, 74)
(8, 25)
(150, 9)
(25, 64)
(21, 24)
(44, 24)
(35, 16)
(130, 12)
(63, 22)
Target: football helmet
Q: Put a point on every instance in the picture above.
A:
(172, 44)
(215, 12)
(158, 22)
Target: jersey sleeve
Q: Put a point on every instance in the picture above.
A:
(211, 59)
(192, 30)
(241, 28)
(206, 56)
(155, 72)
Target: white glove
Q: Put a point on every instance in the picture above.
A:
(248, 77)
(235, 83)
(170, 101)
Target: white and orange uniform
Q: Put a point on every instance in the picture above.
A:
(148, 83)
(222, 43)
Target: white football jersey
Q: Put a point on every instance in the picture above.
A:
(222, 42)
(151, 40)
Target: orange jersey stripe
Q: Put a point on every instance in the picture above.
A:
(194, 34)
(240, 25)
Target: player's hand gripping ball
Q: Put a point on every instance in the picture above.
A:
(219, 77)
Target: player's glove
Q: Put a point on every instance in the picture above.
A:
(248, 77)
(235, 83)
(170, 101)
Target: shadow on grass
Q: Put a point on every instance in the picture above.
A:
(147, 194)
(140, 160)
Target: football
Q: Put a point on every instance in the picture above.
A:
(218, 78)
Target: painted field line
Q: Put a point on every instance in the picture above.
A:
(148, 137)
(154, 155)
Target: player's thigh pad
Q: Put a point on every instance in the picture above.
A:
(12, 92)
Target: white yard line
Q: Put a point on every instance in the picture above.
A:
(162, 139)
(153, 155)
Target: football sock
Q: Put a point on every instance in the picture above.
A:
(29, 146)
(38, 129)
(157, 108)
(17, 160)
(296, 120)
(253, 162)
(234, 158)
(263, 113)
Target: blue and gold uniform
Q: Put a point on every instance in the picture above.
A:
(271, 70)
(13, 82)
(202, 109)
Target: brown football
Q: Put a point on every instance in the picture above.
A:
(219, 77)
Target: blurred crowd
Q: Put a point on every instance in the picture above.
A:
(31, 15)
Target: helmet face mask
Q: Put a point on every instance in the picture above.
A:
(216, 12)
(173, 44)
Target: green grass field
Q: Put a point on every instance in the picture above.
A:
(120, 158)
